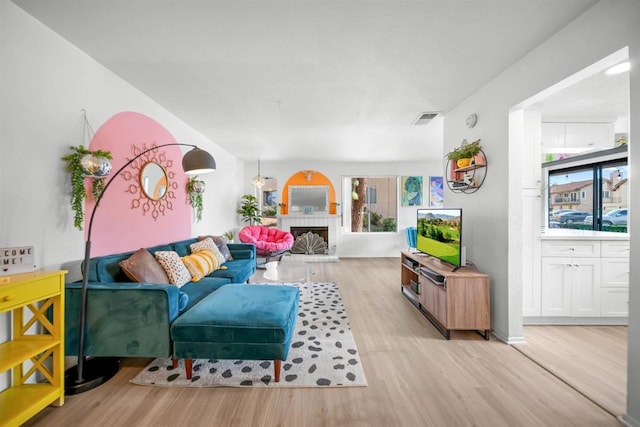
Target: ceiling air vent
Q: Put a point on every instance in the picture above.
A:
(424, 118)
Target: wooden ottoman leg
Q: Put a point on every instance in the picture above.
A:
(276, 369)
(188, 366)
(175, 362)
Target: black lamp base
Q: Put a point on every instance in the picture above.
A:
(96, 371)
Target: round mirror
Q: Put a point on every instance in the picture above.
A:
(153, 181)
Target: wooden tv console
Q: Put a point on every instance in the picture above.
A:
(450, 300)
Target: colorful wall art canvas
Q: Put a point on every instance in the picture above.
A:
(436, 192)
(411, 191)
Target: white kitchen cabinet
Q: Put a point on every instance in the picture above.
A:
(571, 248)
(580, 278)
(615, 249)
(614, 302)
(556, 291)
(615, 273)
(585, 287)
(570, 287)
(614, 288)
(592, 135)
(578, 135)
(552, 135)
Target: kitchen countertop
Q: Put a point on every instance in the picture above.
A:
(569, 234)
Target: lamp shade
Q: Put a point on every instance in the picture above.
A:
(198, 161)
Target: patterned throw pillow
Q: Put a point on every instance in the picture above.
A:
(210, 245)
(200, 264)
(173, 266)
(221, 243)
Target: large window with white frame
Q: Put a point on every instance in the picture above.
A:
(370, 204)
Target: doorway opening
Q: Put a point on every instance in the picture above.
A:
(582, 120)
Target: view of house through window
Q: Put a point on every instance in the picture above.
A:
(370, 204)
(573, 203)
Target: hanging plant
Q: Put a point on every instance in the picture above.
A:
(81, 164)
(195, 188)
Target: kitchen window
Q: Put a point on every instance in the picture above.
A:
(604, 209)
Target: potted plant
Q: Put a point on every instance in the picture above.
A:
(283, 208)
(464, 154)
(228, 235)
(269, 211)
(249, 210)
(195, 188)
(83, 163)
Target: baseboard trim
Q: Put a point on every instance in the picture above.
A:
(579, 321)
(630, 421)
(510, 340)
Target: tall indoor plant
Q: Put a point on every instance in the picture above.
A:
(249, 210)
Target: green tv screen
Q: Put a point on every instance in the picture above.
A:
(439, 234)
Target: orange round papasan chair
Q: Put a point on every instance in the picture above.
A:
(269, 241)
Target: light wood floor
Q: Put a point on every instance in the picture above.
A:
(416, 378)
(593, 359)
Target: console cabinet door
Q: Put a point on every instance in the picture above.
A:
(434, 300)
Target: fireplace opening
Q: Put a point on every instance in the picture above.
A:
(308, 234)
(320, 231)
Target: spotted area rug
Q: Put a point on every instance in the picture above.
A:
(323, 353)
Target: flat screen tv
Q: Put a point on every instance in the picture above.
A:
(439, 234)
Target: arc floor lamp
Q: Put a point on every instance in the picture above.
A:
(90, 373)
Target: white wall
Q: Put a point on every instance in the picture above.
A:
(45, 82)
(602, 30)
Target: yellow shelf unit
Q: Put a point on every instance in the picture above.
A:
(35, 353)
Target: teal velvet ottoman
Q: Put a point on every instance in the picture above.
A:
(249, 322)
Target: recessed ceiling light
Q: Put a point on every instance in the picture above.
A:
(619, 68)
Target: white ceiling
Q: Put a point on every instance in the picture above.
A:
(329, 80)
(597, 98)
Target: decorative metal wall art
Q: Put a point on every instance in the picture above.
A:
(151, 181)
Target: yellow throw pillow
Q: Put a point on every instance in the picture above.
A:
(200, 264)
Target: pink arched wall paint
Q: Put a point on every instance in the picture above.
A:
(116, 226)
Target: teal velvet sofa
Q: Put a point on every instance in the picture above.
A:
(130, 319)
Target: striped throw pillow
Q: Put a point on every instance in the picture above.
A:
(200, 264)
(209, 244)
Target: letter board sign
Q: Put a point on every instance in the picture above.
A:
(17, 260)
